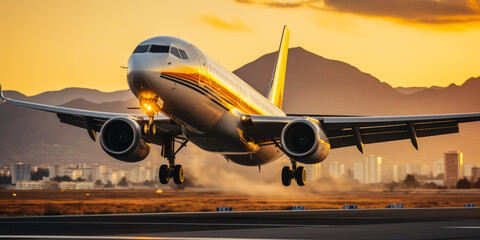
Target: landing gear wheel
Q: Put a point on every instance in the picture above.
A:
(145, 129)
(301, 176)
(152, 130)
(286, 176)
(178, 174)
(163, 174)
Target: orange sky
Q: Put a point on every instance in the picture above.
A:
(53, 44)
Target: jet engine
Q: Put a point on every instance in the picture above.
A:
(304, 141)
(121, 138)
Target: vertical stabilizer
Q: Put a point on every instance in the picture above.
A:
(275, 92)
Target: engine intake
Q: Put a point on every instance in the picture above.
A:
(304, 141)
(121, 138)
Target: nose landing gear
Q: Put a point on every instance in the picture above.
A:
(297, 173)
(167, 172)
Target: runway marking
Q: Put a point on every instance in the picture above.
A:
(119, 238)
(466, 227)
(174, 223)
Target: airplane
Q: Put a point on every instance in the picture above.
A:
(188, 97)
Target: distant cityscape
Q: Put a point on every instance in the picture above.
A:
(446, 172)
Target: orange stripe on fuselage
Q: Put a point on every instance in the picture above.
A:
(227, 96)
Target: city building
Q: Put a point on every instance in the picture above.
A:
(76, 185)
(21, 172)
(438, 167)
(453, 168)
(336, 170)
(475, 173)
(359, 171)
(4, 171)
(467, 170)
(74, 173)
(55, 170)
(98, 171)
(417, 169)
(30, 185)
(368, 170)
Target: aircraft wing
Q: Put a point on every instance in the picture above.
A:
(93, 121)
(344, 131)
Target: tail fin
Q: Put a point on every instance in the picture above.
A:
(275, 93)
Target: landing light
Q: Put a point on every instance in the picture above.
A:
(149, 108)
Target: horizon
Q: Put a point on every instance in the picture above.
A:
(84, 43)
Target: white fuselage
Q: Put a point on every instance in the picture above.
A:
(202, 96)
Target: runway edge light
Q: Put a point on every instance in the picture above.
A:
(395, 206)
(297, 208)
(224, 209)
(350, 207)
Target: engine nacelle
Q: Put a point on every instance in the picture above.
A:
(121, 138)
(304, 141)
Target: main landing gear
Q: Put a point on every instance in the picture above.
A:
(297, 173)
(167, 172)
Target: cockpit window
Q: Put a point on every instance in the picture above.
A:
(183, 53)
(159, 49)
(174, 51)
(141, 49)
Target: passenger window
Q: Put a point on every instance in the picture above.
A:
(159, 49)
(174, 51)
(183, 53)
(141, 49)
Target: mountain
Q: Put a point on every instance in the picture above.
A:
(314, 85)
(337, 86)
(68, 94)
(411, 90)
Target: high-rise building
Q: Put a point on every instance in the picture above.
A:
(373, 169)
(55, 170)
(74, 173)
(475, 173)
(438, 167)
(368, 170)
(336, 170)
(359, 171)
(21, 172)
(467, 170)
(417, 169)
(98, 171)
(453, 168)
(314, 171)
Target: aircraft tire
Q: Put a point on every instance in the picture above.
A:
(163, 173)
(301, 176)
(286, 176)
(152, 130)
(178, 174)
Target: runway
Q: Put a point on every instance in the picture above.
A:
(418, 223)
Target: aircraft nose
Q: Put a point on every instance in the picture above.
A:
(143, 69)
(144, 62)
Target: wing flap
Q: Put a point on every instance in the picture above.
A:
(340, 130)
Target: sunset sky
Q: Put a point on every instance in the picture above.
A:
(53, 44)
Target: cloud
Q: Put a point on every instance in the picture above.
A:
(413, 11)
(236, 24)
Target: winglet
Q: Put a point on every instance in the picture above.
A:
(275, 92)
(1, 95)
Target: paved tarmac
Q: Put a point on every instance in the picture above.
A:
(418, 223)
